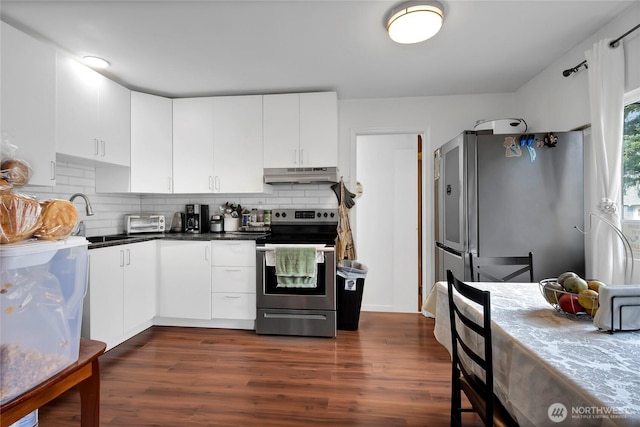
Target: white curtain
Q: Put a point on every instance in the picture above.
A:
(606, 94)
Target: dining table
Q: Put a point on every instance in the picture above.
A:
(551, 368)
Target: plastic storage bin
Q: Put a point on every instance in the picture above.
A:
(350, 284)
(41, 292)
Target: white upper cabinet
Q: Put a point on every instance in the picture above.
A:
(237, 144)
(217, 145)
(28, 101)
(114, 118)
(318, 129)
(151, 143)
(93, 114)
(300, 130)
(151, 168)
(281, 130)
(193, 145)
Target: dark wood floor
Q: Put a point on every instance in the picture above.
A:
(391, 372)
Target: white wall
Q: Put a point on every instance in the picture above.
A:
(552, 102)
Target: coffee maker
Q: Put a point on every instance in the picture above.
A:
(196, 218)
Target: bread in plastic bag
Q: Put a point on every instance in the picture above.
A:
(19, 217)
(16, 172)
(13, 169)
(59, 218)
(5, 187)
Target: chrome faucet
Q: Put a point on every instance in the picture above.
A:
(86, 200)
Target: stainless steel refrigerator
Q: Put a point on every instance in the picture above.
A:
(491, 202)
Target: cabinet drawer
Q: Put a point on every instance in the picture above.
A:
(233, 306)
(233, 253)
(234, 279)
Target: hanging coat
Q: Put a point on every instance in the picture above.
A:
(345, 246)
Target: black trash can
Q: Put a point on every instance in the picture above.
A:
(350, 285)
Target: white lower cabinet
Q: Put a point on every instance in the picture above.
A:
(140, 283)
(121, 300)
(233, 278)
(185, 279)
(170, 283)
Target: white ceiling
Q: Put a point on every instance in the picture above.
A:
(195, 48)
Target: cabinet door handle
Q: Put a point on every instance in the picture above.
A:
(301, 156)
(232, 297)
(295, 156)
(169, 183)
(211, 183)
(128, 257)
(217, 183)
(96, 146)
(121, 258)
(206, 253)
(53, 170)
(103, 145)
(232, 270)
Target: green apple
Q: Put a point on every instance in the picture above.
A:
(575, 285)
(565, 276)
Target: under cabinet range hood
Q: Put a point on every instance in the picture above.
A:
(310, 175)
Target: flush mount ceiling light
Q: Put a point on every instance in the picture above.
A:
(415, 21)
(95, 62)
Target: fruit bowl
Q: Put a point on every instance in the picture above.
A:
(574, 305)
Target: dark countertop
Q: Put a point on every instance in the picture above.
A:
(122, 239)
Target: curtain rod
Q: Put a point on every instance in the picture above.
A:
(615, 43)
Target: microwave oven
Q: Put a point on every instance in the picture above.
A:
(144, 223)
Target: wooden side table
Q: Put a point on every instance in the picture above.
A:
(85, 373)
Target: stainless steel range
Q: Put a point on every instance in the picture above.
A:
(287, 307)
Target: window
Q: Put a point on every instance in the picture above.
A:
(631, 170)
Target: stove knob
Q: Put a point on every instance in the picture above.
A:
(318, 214)
(284, 214)
(325, 214)
(332, 214)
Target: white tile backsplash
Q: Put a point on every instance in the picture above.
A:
(109, 209)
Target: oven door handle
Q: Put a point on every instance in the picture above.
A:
(294, 316)
(328, 249)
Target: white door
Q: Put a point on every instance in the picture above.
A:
(387, 221)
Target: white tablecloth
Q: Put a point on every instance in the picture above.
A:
(544, 359)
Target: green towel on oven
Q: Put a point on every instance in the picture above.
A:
(296, 267)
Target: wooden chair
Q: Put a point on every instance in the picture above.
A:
(464, 333)
(500, 269)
